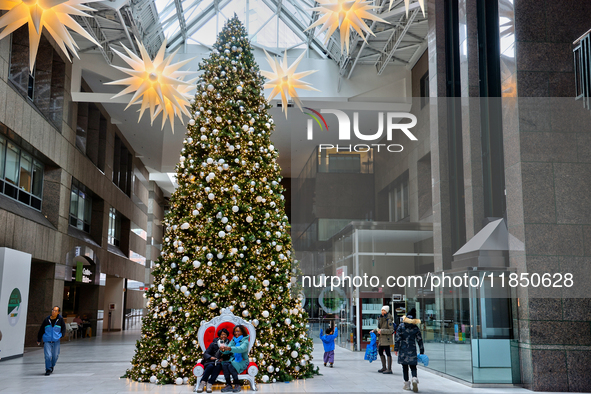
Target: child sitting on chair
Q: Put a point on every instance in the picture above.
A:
(328, 342)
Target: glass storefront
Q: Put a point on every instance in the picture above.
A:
(468, 331)
(376, 253)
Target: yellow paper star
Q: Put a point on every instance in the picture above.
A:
(158, 83)
(346, 15)
(53, 15)
(407, 6)
(284, 80)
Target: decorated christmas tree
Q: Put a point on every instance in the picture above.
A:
(227, 241)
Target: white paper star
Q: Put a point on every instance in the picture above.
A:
(346, 15)
(53, 15)
(158, 83)
(407, 6)
(284, 80)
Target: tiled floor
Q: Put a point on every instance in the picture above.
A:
(94, 365)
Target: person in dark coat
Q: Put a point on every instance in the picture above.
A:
(212, 361)
(408, 335)
(386, 328)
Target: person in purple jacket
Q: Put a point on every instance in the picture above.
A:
(328, 342)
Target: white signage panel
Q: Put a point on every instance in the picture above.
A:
(15, 272)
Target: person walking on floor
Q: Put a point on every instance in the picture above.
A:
(328, 343)
(386, 328)
(408, 335)
(52, 330)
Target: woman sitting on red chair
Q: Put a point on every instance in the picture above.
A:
(212, 362)
(238, 346)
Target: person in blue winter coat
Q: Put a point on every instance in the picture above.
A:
(52, 330)
(328, 342)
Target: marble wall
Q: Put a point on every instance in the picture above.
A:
(548, 187)
(46, 235)
(546, 137)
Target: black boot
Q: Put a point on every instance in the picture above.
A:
(383, 358)
(389, 370)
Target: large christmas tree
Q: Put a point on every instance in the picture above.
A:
(227, 241)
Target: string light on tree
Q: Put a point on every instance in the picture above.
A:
(55, 16)
(219, 236)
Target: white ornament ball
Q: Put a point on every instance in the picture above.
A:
(221, 234)
(265, 378)
(211, 196)
(270, 369)
(196, 264)
(255, 322)
(265, 283)
(287, 321)
(265, 314)
(152, 379)
(249, 219)
(235, 208)
(294, 354)
(153, 367)
(244, 313)
(239, 89)
(183, 289)
(164, 363)
(178, 381)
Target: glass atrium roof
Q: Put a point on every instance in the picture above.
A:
(275, 25)
(271, 31)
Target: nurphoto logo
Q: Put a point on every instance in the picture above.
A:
(344, 131)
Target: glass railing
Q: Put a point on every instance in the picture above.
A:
(582, 57)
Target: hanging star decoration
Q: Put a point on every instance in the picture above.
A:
(346, 15)
(407, 6)
(284, 80)
(159, 84)
(51, 15)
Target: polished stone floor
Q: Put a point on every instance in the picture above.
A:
(94, 365)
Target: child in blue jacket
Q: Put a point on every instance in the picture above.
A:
(328, 342)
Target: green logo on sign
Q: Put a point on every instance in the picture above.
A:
(14, 305)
